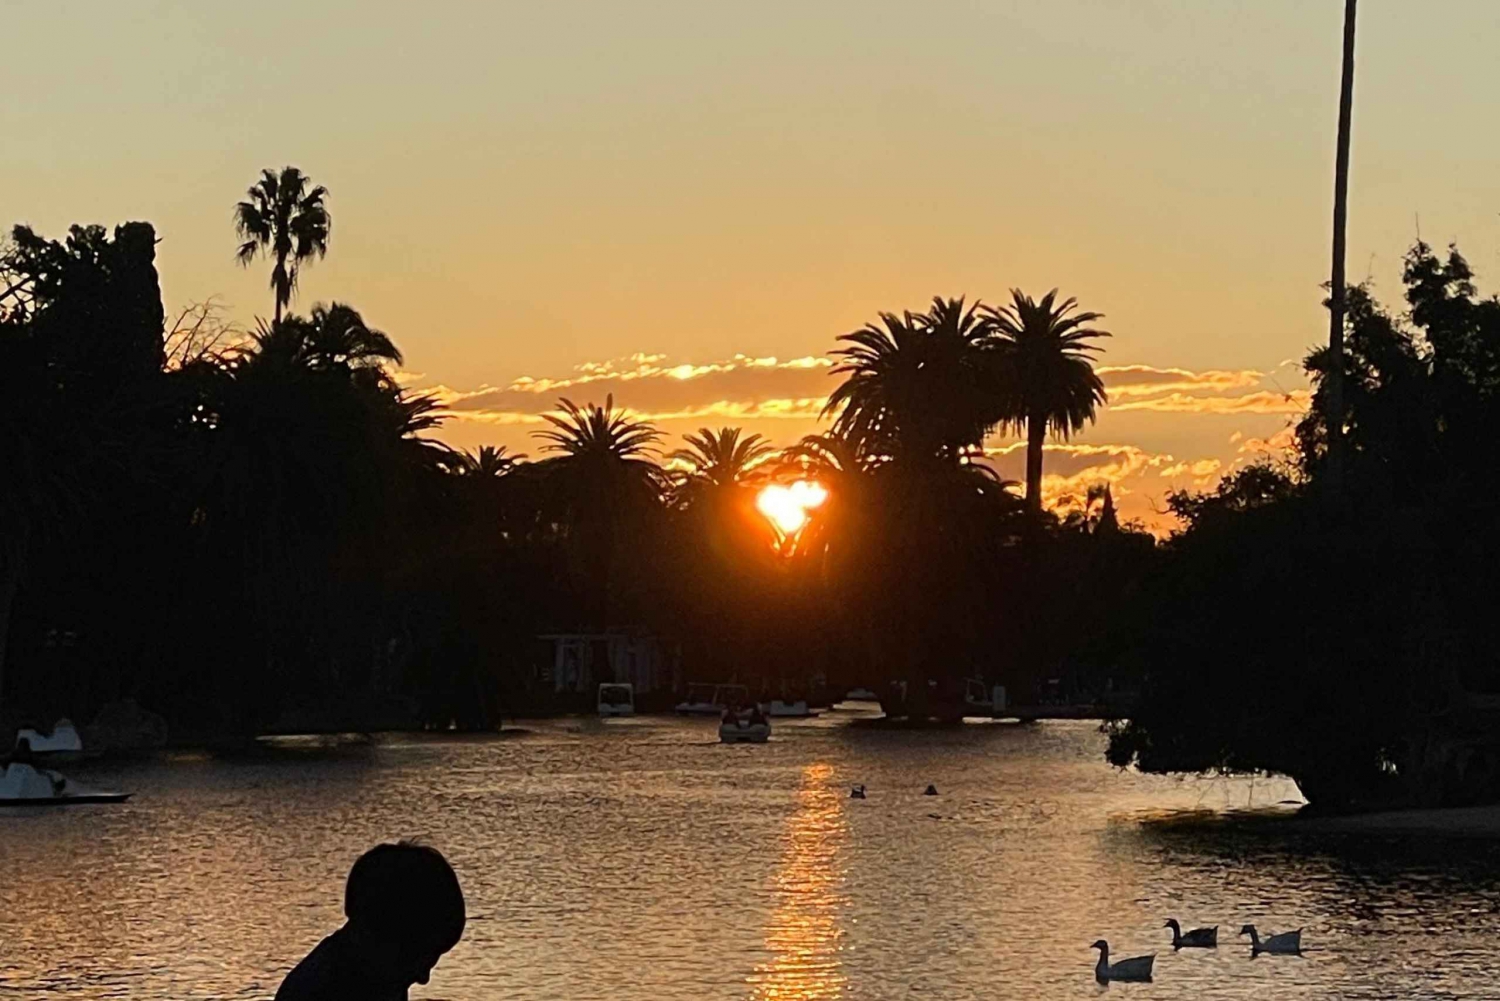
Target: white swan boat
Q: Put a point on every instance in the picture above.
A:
(711, 700)
(742, 731)
(616, 699)
(23, 784)
(62, 743)
(788, 710)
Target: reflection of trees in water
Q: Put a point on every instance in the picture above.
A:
(1453, 884)
(803, 934)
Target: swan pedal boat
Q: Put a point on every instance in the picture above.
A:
(744, 732)
(23, 785)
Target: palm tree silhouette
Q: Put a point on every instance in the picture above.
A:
(1047, 373)
(285, 220)
(917, 386)
(330, 337)
(488, 462)
(722, 458)
(604, 487)
(598, 433)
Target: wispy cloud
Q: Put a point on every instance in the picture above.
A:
(1272, 445)
(653, 387)
(1126, 381)
(783, 398)
(1295, 401)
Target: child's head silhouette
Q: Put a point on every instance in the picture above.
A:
(405, 898)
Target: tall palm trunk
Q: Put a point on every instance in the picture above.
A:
(1036, 435)
(1340, 220)
(282, 290)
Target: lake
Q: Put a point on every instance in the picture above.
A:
(641, 859)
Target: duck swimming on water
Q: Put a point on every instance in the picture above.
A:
(1138, 968)
(1198, 938)
(858, 792)
(1288, 943)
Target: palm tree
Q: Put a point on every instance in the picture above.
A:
(489, 463)
(1047, 373)
(722, 458)
(604, 487)
(598, 433)
(331, 338)
(285, 220)
(916, 386)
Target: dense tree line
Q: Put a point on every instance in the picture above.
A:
(1389, 692)
(227, 526)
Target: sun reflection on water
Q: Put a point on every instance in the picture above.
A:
(804, 933)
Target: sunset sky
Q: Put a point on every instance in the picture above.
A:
(683, 203)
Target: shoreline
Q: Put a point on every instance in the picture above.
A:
(1466, 821)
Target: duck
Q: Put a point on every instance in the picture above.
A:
(1288, 943)
(930, 791)
(1138, 968)
(858, 792)
(1198, 938)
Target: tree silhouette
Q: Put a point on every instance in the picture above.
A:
(488, 463)
(721, 458)
(916, 386)
(286, 220)
(330, 338)
(1047, 373)
(604, 488)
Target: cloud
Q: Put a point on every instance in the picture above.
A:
(1126, 381)
(1264, 402)
(783, 399)
(1278, 442)
(1071, 468)
(650, 386)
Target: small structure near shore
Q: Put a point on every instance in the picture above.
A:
(583, 661)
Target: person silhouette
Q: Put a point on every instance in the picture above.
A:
(404, 910)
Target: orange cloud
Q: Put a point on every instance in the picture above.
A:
(783, 398)
(741, 387)
(1278, 442)
(1126, 381)
(1264, 402)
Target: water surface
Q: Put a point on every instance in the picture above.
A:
(640, 859)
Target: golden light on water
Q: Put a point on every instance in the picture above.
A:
(787, 505)
(805, 932)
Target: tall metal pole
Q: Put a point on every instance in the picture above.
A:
(1336, 457)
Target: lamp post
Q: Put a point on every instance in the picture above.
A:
(1340, 223)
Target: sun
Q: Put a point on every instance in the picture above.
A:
(786, 505)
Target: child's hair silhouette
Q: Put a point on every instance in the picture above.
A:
(406, 889)
(404, 909)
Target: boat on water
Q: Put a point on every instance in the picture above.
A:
(23, 784)
(704, 699)
(616, 699)
(741, 728)
(61, 743)
(788, 710)
(860, 695)
(949, 701)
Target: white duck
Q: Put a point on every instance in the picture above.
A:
(1198, 938)
(1138, 968)
(1288, 943)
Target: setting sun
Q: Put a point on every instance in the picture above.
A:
(786, 505)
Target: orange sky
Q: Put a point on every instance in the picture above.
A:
(529, 195)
